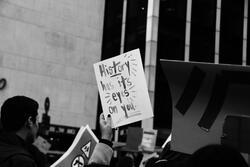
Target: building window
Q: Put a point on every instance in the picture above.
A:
(202, 40)
(135, 34)
(112, 28)
(231, 31)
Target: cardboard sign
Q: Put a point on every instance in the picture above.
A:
(80, 151)
(149, 139)
(201, 96)
(122, 88)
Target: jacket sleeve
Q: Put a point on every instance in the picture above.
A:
(21, 161)
(102, 154)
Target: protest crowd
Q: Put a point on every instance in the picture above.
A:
(20, 126)
(126, 83)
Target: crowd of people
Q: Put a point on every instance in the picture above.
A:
(19, 119)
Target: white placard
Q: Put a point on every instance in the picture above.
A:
(122, 88)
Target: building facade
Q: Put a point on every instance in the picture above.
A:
(213, 31)
(47, 49)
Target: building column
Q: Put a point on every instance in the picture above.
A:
(151, 53)
(188, 30)
(217, 32)
(244, 56)
(124, 15)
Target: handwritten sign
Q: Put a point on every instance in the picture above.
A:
(122, 88)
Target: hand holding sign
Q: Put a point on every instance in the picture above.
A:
(105, 126)
(122, 88)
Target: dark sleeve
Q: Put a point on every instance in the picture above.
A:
(39, 157)
(96, 165)
(21, 160)
(107, 142)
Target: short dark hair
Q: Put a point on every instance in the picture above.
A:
(216, 155)
(16, 110)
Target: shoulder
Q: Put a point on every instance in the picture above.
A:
(22, 157)
(21, 160)
(16, 156)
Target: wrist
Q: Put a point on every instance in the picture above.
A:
(107, 137)
(107, 142)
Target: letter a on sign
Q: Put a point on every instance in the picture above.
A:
(86, 149)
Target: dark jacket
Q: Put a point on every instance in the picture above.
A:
(15, 152)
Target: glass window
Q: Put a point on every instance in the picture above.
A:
(202, 38)
(171, 31)
(135, 35)
(231, 35)
(112, 28)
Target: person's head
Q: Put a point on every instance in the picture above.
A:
(19, 115)
(216, 155)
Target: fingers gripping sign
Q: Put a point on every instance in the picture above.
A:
(106, 127)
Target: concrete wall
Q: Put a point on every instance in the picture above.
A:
(47, 48)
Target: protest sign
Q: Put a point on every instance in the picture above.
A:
(80, 151)
(122, 87)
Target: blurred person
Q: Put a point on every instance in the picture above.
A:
(126, 160)
(216, 155)
(19, 117)
(168, 158)
(207, 156)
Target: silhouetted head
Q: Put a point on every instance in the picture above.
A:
(216, 155)
(20, 113)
